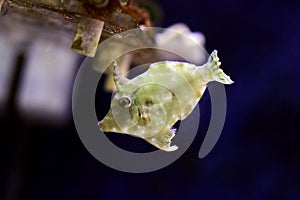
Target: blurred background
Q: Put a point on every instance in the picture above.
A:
(257, 156)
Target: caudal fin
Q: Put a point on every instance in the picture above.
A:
(213, 66)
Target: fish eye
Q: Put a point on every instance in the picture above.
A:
(125, 101)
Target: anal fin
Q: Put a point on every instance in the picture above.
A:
(163, 140)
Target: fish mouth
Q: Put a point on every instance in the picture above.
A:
(108, 124)
(100, 124)
(103, 127)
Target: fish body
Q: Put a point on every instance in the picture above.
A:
(148, 105)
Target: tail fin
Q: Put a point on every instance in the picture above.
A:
(213, 66)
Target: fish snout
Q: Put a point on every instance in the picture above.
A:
(101, 124)
(108, 124)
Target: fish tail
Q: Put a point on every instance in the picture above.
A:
(213, 66)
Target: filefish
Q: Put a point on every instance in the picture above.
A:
(148, 105)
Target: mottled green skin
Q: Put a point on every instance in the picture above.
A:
(167, 92)
(148, 96)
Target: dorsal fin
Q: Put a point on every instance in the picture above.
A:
(119, 78)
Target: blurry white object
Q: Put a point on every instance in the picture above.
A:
(179, 38)
(47, 81)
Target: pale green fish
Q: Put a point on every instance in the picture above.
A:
(148, 105)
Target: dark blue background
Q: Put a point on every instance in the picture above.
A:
(258, 154)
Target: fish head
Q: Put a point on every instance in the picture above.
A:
(142, 113)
